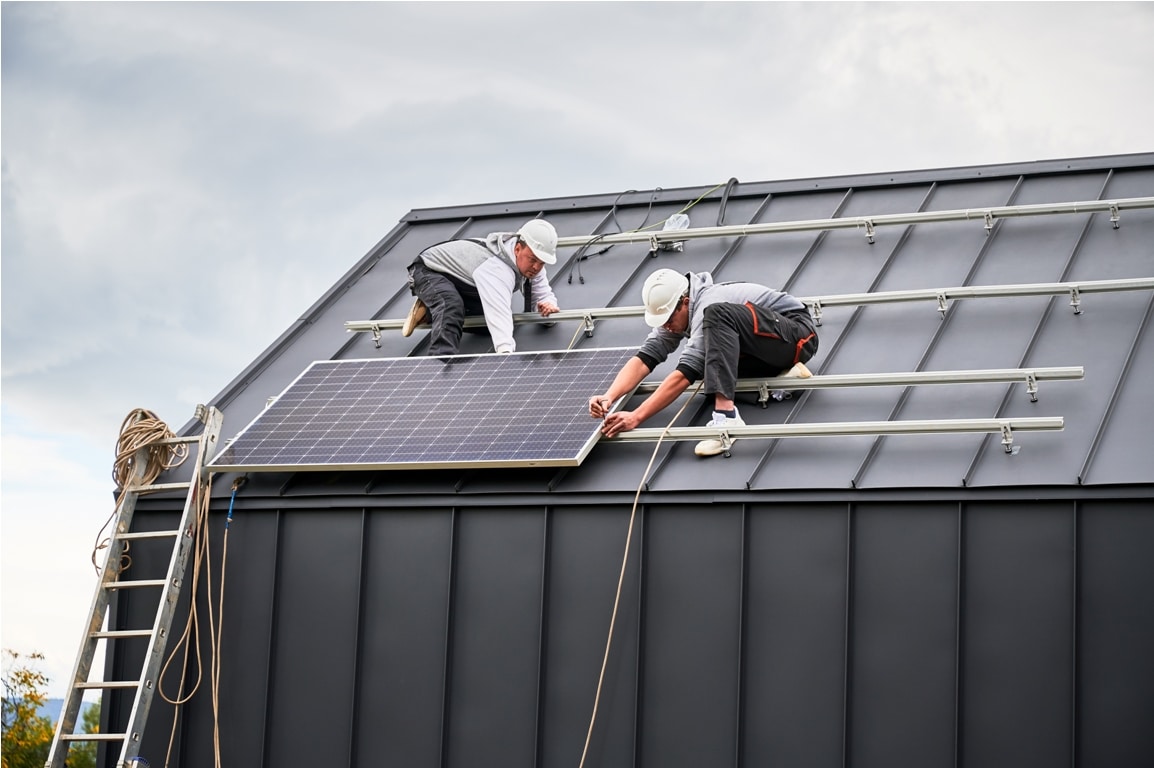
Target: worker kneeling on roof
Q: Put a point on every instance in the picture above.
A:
(733, 330)
(479, 276)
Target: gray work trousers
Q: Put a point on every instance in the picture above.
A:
(448, 301)
(748, 341)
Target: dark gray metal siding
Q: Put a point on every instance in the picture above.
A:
(933, 633)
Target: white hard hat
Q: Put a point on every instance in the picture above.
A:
(541, 238)
(661, 293)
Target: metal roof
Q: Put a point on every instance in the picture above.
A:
(1108, 414)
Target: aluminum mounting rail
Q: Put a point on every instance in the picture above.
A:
(868, 223)
(815, 303)
(520, 318)
(1029, 376)
(943, 295)
(1005, 426)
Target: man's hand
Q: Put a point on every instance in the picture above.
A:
(599, 406)
(546, 308)
(622, 421)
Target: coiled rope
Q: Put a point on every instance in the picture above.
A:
(140, 430)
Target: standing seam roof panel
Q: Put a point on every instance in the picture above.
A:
(976, 333)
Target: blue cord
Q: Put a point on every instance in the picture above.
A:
(231, 501)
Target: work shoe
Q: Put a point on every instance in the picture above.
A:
(713, 446)
(798, 371)
(416, 316)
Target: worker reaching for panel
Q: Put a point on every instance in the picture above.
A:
(733, 330)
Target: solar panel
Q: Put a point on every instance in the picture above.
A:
(515, 410)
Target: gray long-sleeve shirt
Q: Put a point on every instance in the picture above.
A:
(660, 343)
(491, 267)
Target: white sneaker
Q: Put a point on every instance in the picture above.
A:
(416, 316)
(713, 447)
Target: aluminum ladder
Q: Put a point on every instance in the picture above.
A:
(183, 537)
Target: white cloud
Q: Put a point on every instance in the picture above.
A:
(54, 504)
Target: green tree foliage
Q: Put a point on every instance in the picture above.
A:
(27, 735)
(83, 754)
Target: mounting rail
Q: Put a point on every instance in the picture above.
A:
(816, 303)
(1004, 426)
(868, 223)
(1029, 376)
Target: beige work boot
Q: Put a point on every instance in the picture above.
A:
(798, 371)
(416, 316)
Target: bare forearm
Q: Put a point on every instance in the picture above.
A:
(670, 389)
(631, 374)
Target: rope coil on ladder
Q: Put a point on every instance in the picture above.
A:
(141, 430)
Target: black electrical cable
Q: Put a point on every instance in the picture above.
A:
(581, 254)
(729, 185)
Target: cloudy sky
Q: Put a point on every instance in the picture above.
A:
(182, 181)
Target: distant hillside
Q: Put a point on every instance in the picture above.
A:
(52, 707)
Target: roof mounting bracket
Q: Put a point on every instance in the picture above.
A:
(764, 393)
(989, 222)
(1032, 386)
(1114, 217)
(1075, 300)
(654, 246)
(1008, 438)
(869, 231)
(943, 304)
(815, 311)
(726, 444)
(589, 325)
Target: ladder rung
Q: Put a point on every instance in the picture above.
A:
(100, 684)
(93, 736)
(175, 440)
(122, 633)
(136, 583)
(158, 487)
(148, 535)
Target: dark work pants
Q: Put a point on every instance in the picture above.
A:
(448, 301)
(745, 340)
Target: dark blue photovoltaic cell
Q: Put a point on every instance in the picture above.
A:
(522, 409)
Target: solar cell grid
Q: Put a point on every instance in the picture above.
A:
(523, 409)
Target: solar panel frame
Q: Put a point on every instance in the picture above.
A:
(525, 409)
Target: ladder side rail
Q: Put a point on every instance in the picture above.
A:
(177, 568)
(82, 668)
